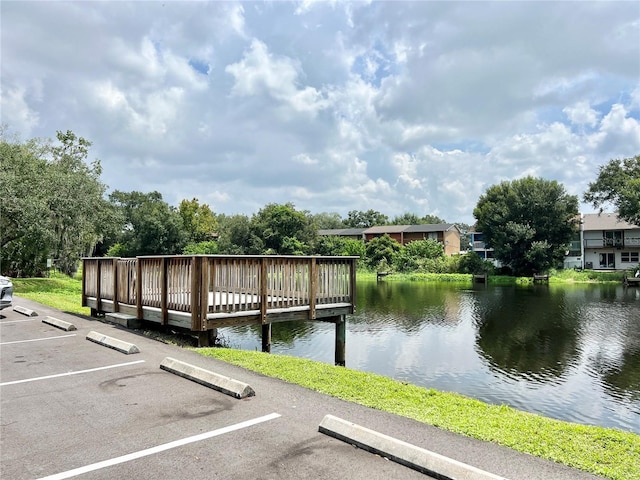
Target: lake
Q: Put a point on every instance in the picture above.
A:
(570, 352)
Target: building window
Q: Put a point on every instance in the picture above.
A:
(607, 260)
(630, 257)
(574, 249)
(612, 238)
(432, 235)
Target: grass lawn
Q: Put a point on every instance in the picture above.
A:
(57, 291)
(603, 451)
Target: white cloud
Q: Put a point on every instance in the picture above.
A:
(337, 106)
(407, 169)
(581, 113)
(304, 159)
(15, 106)
(260, 72)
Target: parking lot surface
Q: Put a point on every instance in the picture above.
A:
(72, 408)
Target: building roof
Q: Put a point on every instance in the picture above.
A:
(605, 221)
(431, 227)
(385, 229)
(343, 232)
(382, 229)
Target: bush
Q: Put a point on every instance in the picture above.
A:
(472, 263)
(117, 250)
(201, 248)
(380, 248)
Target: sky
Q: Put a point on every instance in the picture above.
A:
(333, 106)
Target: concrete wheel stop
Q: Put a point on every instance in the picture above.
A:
(25, 311)
(223, 384)
(424, 461)
(110, 342)
(61, 324)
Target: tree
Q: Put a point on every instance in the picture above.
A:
(25, 237)
(618, 184)
(198, 221)
(465, 238)
(406, 219)
(413, 219)
(414, 255)
(370, 218)
(79, 214)
(333, 245)
(326, 221)
(52, 205)
(431, 220)
(471, 262)
(235, 236)
(283, 229)
(382, 251)
(152, 227)
(201, 248)
(528, 222)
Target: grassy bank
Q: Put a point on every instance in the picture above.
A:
(607, 452)
(58, 291)
(560, 276)
(602, 451)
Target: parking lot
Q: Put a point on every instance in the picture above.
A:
(74, 408)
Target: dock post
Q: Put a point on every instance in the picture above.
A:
(341, 334)
(207, 338)
(266, 337)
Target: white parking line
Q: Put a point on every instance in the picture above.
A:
(8, 322)
(71, 373)
(38, 339)
(160, 448)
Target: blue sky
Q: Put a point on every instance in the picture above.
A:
(334, 106)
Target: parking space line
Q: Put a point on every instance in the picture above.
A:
(9, 322)
(70, 373)
(38, 339)
(160, 448)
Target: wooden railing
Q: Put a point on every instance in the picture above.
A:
(219, 286)
(627, 241)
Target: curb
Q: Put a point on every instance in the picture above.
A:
(424, 461)
(209, 379)
(61, 324)
(119, 345)
(25, 311)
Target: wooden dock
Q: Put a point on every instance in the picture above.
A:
(204, 292)
(540, 278)
(631, 281)
(482, 278)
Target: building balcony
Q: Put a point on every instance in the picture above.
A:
(611, 242)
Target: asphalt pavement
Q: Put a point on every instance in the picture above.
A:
(73, 408)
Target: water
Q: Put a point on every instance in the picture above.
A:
(566, 352)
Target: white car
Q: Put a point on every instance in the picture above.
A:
(6, 292)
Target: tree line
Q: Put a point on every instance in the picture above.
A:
(54, 206)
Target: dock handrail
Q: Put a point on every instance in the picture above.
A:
(208, 285)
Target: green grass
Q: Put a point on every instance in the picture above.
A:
(560, 276)
(585, 276)
(57, 291)
(608, 452)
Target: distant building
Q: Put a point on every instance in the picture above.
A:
(447, 234)
(352, 233)
(478, 245)
(609, 243)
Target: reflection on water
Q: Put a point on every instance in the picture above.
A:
(568, 352)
